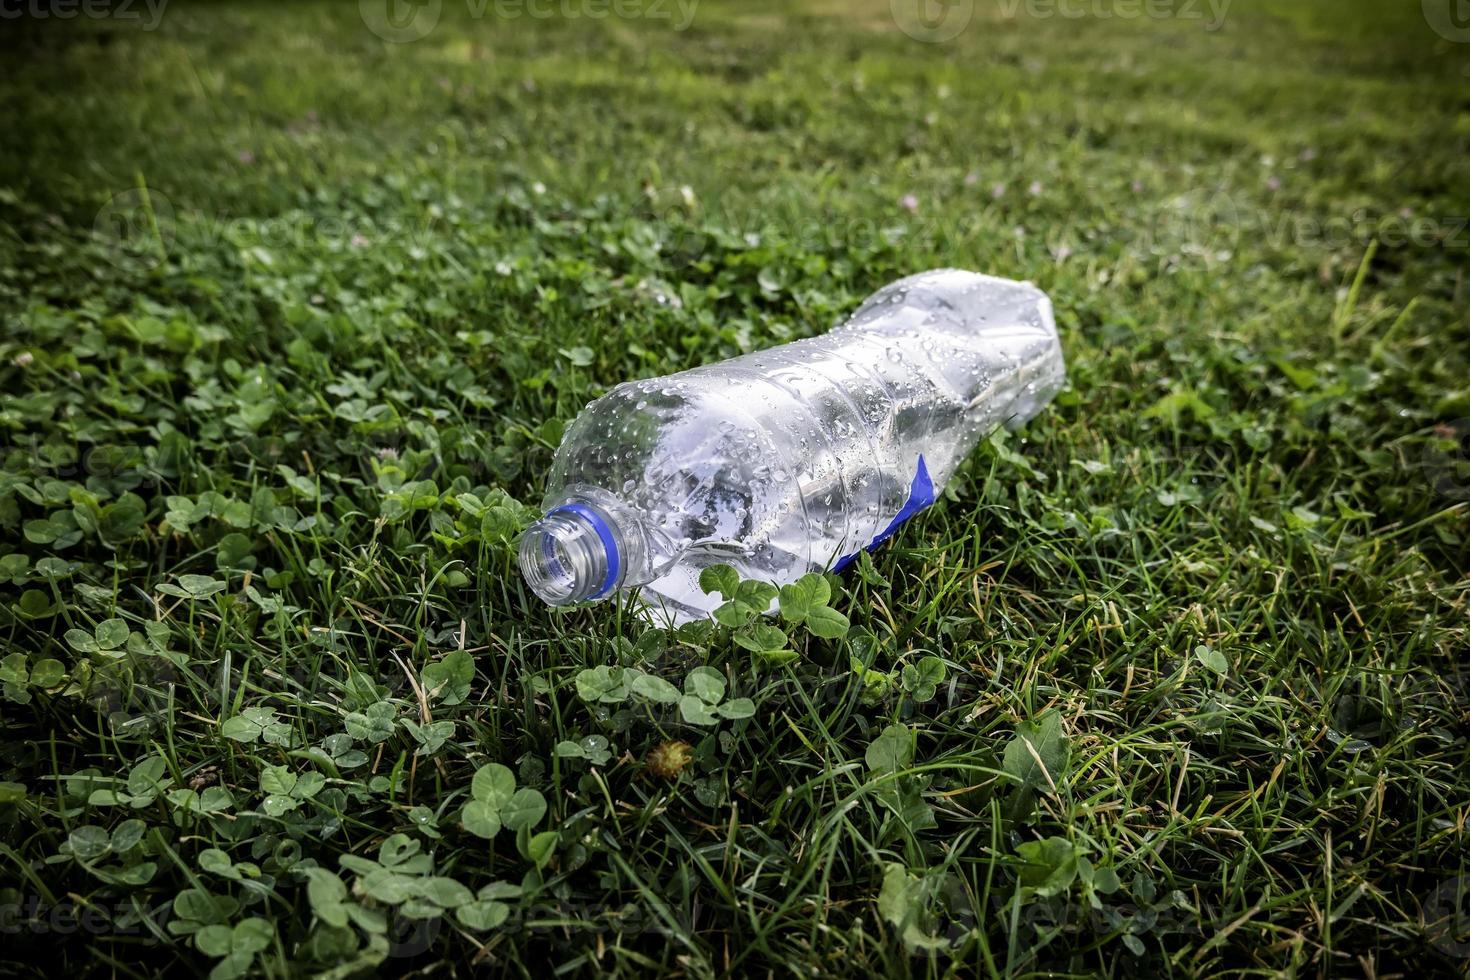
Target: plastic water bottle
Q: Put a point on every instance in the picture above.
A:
(792, 459)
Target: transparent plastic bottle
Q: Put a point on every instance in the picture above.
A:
(791, 459)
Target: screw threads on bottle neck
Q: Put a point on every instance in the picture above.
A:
(576, 553)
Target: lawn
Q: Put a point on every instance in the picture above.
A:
(292, 317)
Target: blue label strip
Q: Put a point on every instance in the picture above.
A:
(609, 544)
(921, 495)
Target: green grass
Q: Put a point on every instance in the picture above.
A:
(1172, 682)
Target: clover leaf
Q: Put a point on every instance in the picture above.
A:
(704, 689)
(594, 748)
(496, 803)
(257, 723)
(236, 945)
(767, 642)
(720, 578)
(1037, 755)
(487, 910)
(654, 688)
(798, 599)
(328, 896)
(706, 683)
(744, 600)
(16, 674)
(921, 680)
(373, 724)
(107, 639)
(892, 750)
(193, 587)
(606, 684)
(430, 737)
(286, 790)
(737, 708)
(144, 782)
(805, 601)
(448, 680)
(696, 711)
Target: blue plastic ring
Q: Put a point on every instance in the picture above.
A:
(609, 543)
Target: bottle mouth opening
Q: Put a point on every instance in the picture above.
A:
(570, 555)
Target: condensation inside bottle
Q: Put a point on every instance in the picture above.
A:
(787, 460)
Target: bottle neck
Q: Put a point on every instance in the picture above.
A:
(584, 549)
